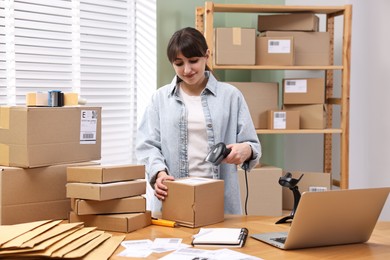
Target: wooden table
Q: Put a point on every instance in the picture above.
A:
(378, 247)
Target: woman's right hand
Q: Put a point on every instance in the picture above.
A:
(160, 189)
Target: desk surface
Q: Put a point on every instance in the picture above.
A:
(378, 247)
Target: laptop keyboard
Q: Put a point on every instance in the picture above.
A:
(279, 239)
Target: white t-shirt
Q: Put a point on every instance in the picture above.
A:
(197, 137)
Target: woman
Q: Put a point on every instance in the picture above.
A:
(187, 117)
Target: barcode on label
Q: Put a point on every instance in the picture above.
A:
(317, 189)
(274, 43)
(290, 83)
(88, 136)
(280, 115)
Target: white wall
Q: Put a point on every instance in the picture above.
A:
(369, 163)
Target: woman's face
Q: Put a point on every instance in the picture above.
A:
(190, 70)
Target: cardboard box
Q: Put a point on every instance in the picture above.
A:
(43, 136)
(288, 22)
(310, 48)
(264, 191)
(235, 46)
(260, 97)
(282, 119)
(105, 174)
(274, 51)
(311, 116)
(314, 180)
(16, 214)
(194, 202)
(105, 191)
(124, 205)
(33, 194)
(304, 91)
(114, 222)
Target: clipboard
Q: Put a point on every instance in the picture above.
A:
(222, 237)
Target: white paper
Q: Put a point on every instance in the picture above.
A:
(143, 248)
(295, 86)
(161, 245)
(137, 244)
(136, 248)
(194, 253)
(279, 120)
(279, 46)
(88, 126)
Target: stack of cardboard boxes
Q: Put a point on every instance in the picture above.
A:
(108, 197)
(37, 144)
(281, 40)
(306, 96)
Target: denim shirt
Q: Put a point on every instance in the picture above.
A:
(162, 135)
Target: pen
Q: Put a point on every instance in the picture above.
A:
(164, 222)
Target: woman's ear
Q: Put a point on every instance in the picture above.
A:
(207, 55)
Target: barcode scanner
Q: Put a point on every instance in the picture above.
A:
(217, 153)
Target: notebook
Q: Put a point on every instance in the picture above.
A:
(331, 218)
(224, 237)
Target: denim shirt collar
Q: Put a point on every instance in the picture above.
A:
(211, 86)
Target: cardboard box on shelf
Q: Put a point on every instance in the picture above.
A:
(264, 191)
(260, 97)
(123, 205)
(310, 48)
(278, 51)
(311, 116)
(42, 136)
(201, 201)
(33, 194)
(105, 191)
(282, 119)
(288, 22)
(235, 46)
(314, 180)
(114, 222)
(304, 91)
(105, 173)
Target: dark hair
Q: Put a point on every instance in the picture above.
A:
(188, 41)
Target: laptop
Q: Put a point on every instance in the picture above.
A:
(329, 218)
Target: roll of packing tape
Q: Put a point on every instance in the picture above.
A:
(56, 98)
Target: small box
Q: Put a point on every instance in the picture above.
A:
(114, 222)
(32, 194)
(194, 202)
(304, 91)
(282, 119)
(274, 51)
(105, 174)
(264, 191)
(235, 46)
(260, 97)
(42, 136)
(309, 181)
(133, 204)
(311, 116)
(105, 191)
(310, 48)
(288, 22)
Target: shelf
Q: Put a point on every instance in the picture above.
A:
(299, 131)
(258, 67)
(205, 23)
(254, 8)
